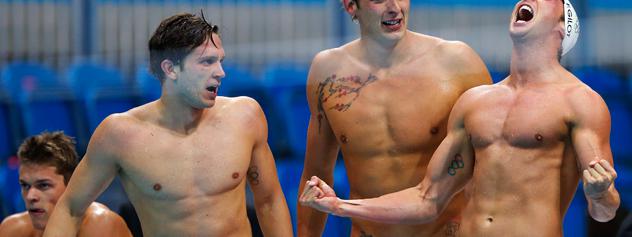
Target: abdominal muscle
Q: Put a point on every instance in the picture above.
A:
(221, 214)
(379, 175)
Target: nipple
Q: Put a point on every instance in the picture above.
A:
(344, 139)
(538, 137)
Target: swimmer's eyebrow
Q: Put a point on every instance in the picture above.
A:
(36, 181)
(210, 59)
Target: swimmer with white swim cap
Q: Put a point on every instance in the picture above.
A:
(522, 144)
(571, 27)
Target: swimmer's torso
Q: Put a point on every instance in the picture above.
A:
(526, 172)
(189, 184)
(388, 123)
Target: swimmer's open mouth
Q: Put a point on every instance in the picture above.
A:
(212, 89)
(36, 210)
(524, 14)
(392, 22)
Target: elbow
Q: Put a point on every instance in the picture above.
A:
(421, 216)
(269, 201)
(264, 201)
(428, 215)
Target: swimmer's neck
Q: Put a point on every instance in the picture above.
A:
(533, 63)
(173, 115)
(384, 53)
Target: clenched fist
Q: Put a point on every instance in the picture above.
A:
(318, 195)
(598, 178)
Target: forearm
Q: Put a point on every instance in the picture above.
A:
(604, 208)
(62, 222)
(311, 222)
(274, 216)
(409, 206)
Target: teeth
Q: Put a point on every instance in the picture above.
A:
(392, 22)
(526, 7)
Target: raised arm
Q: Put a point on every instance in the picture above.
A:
(591, 140)
(321, 151)
(270, 205)
(450, 168)
(93, 174)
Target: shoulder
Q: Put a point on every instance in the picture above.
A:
(458, 56)
(332, 56)
(462, 63)
(99, 218)
(125, 124)
(585, 103)
(454, 47)
(455, 50)
(243, 113)
(239, 104)
(330, 60)
(114, 129)
(98, 212)
(16, 225)
(241, 108)
(478, 93)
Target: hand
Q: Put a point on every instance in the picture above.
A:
(598, 178)
(318, 195)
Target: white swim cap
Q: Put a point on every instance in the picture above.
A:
(571, 27)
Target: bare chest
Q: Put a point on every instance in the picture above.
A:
(162, 166)
(528, 120)
(396, 111)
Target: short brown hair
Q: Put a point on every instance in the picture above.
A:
(50, 148)
(176, 37)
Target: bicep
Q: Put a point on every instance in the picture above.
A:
(590, 145)
(261, 173)
(591, 132)
(452, 164)
(92, 176)
(322, 147)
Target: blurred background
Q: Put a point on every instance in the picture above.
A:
(67, 64)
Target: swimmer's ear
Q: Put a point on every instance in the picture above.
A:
(169, 69)
(350, 6)
(561, 28)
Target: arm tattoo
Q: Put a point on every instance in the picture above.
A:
(337, 88)
(455, 164)
(253, 175)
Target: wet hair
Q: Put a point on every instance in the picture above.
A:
(51, 149)
(176, 37)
